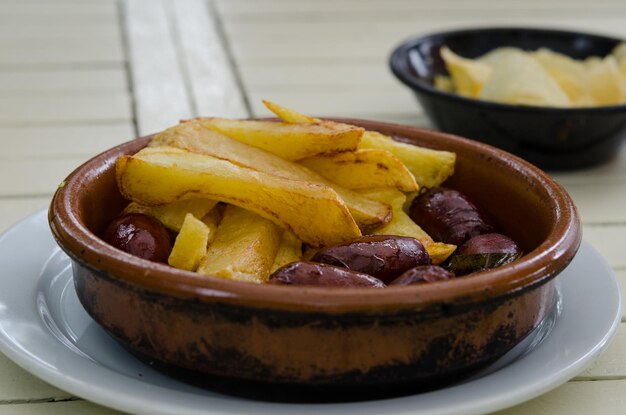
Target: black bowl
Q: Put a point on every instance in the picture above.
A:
(552, 138)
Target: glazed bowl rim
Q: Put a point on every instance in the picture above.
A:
(399, 67)
(533, 269)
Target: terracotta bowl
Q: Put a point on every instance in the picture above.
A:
(323, 336)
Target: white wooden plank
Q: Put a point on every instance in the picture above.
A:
(350, 103)
(60, 18)
(63, 81)
(35, 177)
(12, 210)
(60, 7)
(64, 1)
(318, 75)
(298, 33)
(16, 383)
(64, 108)
(213, 85)
(55, 28)
(60, 50)
(160, 92)
(57, 408)
(577, 398)
(261, 9)
(609, 241)
(600, 202)
(609, 173)
(65, 140)
(612, 362)
(324, 51)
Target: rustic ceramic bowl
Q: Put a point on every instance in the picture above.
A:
(551, 138)
(326, 336)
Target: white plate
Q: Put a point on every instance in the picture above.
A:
(44, 329)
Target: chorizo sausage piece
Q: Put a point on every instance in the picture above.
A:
(448, 216)
(423, 274)
(140, 235)
(322, 275)
(489, 243)
(382, 256)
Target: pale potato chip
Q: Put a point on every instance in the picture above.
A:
(443, 83)
(605, 82)
(521, 80)
(500, 54)
(568, 73)
(468, 76)
(620, 54)
(565, 82)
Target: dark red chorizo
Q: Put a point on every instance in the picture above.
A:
(489, 243)
(323, 275)
(140, 235)
(423, 274)
(382, 256)
(449, 216)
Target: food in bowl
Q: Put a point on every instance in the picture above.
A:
(426, 333)
(242, 201)
(549, 137)
(511, 75)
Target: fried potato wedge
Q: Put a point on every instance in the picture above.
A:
(172, 215)
(190, 245)
(402, 225)
(313, 212)
(429, 167)
(287, 114)
(289, 141)
(440, 251)
(195, 137)
(211, 220)
(289, 250)
(244, 247)
(364, 169)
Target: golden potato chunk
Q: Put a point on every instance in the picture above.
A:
(402, 225)
(429, 167)
(244, 247)
(313, 212)
(195, 137)
(289, 141)
(190, 245)
(287, 114)
(440, 251)
(211, 220)
(289, 250)
(364, 169)
(172, 215)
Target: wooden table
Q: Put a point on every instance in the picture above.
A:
(79, 76)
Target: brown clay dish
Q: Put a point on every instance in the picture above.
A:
(326, 336)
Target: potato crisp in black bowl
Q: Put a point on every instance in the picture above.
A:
(550, 137)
